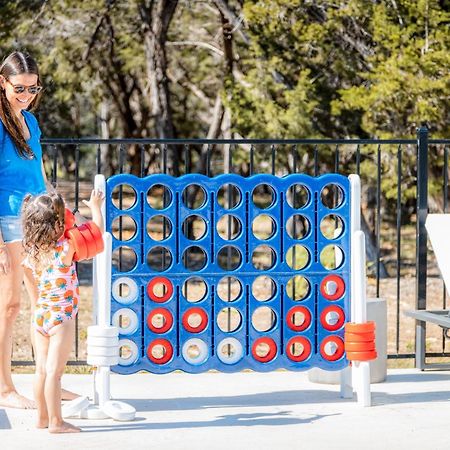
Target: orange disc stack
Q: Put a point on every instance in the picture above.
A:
(360, 341)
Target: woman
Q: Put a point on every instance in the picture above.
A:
(21, 172)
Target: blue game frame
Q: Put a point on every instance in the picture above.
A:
(212, 273)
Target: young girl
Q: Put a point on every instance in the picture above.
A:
(50, 256)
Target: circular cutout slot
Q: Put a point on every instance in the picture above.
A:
(194, 258)
(298, 349)
(263, 227)
(126, 320)
(193, 196)
(229, 196)
(332, 226)
(160, 289)
(263, 288)
(230, 351)
(264, 319)
(332, 287)
(297, 257)
(332, 318)
(298, 196)
(194, 289)
(124, 259)
(297, 227)
(160, 351)
(298, 288)
(159, 227)
(194, 227)
(229, 289)
(264, 349)
(128, 352)
(263, 257)
(332, 196)
(298, 318)
(331, 257)
(229, 320)
(195, 351)
(159, 196)
(332, 348)
(159, 258)
(160, 320)
(263, 196)
(123, 196)
(124, 228)
(195, 320)
(229, 257)
(125, 290)
(229, 227)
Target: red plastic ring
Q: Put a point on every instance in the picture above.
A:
(340, 287)
(168, 320)
(167, 346)
(359, 337)
(202, 325)
(167, 284)
(306, 348)
(339, 351)
(270, 354)
(97, 235)
(359, 346)
(78, 243)
(340, 321)
(290, 318)
(362, 356)
(69, 219)
(88, 240)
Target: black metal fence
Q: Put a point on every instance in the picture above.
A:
(402, 179)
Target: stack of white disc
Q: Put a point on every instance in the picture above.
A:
(103, 346)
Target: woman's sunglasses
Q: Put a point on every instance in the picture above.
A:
(19, 89)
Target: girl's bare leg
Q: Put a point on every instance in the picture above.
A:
(33, 294)
(58, 353)
(41, 351)
(10, 291)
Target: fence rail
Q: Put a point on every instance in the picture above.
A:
(401, 179)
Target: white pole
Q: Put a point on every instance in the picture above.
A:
(360, 370)
(102, 300)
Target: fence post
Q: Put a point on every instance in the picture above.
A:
(421, 240)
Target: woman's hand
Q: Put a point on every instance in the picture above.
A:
(5, 265)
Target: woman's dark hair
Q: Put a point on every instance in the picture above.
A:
(17, 63)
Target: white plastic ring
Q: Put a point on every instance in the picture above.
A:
(132, 294)
(202, 349)
(95, 350)
(102, 361)
(132, 326)
(98, 331)
(74, 407)
(119, 410)
(134, 352)
(102, 341)
(237, 354)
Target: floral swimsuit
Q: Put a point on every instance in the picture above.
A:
(58, 292)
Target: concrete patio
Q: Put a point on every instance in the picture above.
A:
(247, 410)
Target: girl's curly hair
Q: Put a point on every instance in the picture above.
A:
(43, 225)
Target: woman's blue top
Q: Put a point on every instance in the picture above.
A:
(19, 176)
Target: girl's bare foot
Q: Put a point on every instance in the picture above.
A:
(63, 427)
(42, 423)
(68, 395)
(15, 400)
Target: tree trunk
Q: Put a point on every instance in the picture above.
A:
(156, 18)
